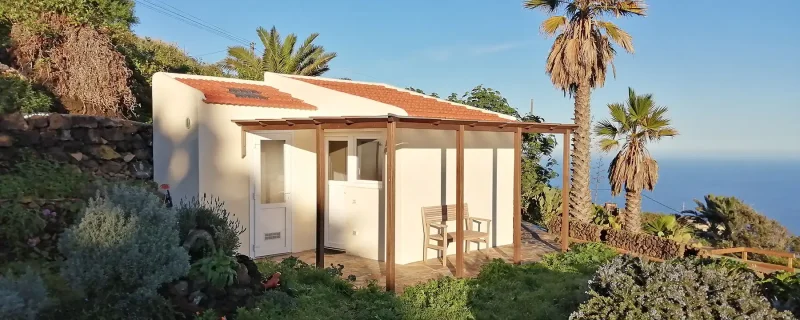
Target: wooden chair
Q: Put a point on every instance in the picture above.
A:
(436, 218)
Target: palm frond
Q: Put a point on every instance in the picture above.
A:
(607, 145)
(619, 36)
(554, 24)
(282, 55)
(549, 6)
(606, 129)
(624, 7)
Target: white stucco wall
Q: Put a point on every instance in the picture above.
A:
(426, 167)
(175, 147)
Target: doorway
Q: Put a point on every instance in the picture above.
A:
(354, 173)
(271, 221)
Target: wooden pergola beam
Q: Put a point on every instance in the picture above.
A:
(391, 146)
(320, 249)
(459, 202)
(565, 193)
(518, 195)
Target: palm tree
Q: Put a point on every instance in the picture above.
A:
(279, 56)
(577, 62)
(633, 125)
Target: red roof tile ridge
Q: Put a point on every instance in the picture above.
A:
(501, 115)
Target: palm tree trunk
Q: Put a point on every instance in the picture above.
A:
(580, 198)
(632, 221)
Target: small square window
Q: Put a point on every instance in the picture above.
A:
(337, 160)
(368, 153)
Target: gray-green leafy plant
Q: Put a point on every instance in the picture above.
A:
(209, 214)
(630, 288)
(122, 250)
(21, 298)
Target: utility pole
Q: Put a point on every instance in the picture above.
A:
(531, 106)
(253, 47)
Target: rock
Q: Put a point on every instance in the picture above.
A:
(6, 140)
(180, 288)
(113, 134)
(239, 292)
(143, 154)
(91, 164)
(64, 135)
(13, 121)
(87, 135)
(81, 121)
(141, 170)
(111, 167)
(129, 128)
(48, 138)
(104, 152)
(108, 122)
(242, 277)
(72, 146)
(29, 138)
(59, 121)
(123, 146)
(38, 121)
(128, 157)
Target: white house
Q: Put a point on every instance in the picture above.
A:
(254, 145)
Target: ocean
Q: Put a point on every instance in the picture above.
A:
(772, 187)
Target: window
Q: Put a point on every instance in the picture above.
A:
(368, 154)
(337, 160)
(272, 175)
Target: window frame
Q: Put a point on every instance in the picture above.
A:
(352, 157)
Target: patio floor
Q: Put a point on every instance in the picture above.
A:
(535, 243)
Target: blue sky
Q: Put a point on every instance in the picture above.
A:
(730, 73)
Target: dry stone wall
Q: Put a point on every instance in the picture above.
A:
(105, 147)
(577, 230)
(645, 244)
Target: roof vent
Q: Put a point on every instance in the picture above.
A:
(246, 93)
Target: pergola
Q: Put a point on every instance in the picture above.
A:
(391, 123)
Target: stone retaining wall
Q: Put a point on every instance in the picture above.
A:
(577, 230)
(645, 244)
(105, 147)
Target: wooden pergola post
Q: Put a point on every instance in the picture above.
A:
(460, 201)
(518, 195)
(320, 262)
(391, 125)
(565, 193)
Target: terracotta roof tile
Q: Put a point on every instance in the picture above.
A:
(415, 105)
(245, 94)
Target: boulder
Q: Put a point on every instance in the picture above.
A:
(81, 121)
(13, 121)
(113, 134)
(38, 121)
(104, 152)
(6, 140)
(59, 121)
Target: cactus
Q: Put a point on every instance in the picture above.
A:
(545, 205)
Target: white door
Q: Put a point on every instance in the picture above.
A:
(272, 214)
(336, 211)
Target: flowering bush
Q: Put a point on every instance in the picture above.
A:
(630, 288)
(122, 250)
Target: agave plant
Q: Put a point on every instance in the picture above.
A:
(667, 226)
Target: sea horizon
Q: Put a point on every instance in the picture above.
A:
(767, 184)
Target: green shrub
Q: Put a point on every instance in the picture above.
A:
(18, 95)
(37, 178)
(668, 226)
(209, 214)
(630, 288)
(18, 224)
(310, 293)
(550, 289)
(544, 206)
(783, 291)
(444, 298)
(22, 298)
(123, 249)
(218, 269)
